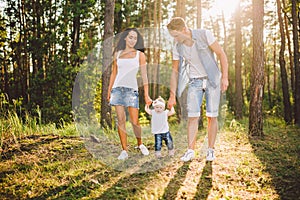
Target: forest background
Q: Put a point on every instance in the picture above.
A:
(55, 60)
(45, 44)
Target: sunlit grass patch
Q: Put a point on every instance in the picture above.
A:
(58, 166)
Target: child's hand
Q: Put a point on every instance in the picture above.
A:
(147, 109)
(172, 111)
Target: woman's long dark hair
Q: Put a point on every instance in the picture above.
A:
(122, 43)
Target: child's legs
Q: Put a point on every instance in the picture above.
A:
(168, 140)
(158, 142)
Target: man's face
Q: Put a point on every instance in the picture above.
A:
(179, 36)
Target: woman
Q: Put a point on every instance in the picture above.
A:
(129, 57)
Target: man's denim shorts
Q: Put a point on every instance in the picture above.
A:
(124, 96)
(197, 88)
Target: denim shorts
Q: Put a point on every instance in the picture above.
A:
(198, 88)
(123, 96)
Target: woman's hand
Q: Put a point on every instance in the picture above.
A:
(148, 100)
(108, 95)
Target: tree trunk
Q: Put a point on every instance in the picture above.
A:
(275, 63)
(286, 26)
(182, 109)
(285, 86)
(199, 13)
(155, 53)
(107, 61)
(238, 66)
(75, 35)
(257, 71)
(296, 62)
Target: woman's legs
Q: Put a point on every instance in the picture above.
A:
(121, 116)
(134, 119)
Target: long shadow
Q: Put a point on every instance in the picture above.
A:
(205, 182)
(280, 153)
(128, 187)
(70, 191)
(38, 140)
(174, 185)
(67, 152)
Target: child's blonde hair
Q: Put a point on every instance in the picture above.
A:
(159, 102)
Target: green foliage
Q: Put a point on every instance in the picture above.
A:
(13, 128)
(144, 121)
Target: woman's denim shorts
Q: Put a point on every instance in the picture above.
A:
(123, 96)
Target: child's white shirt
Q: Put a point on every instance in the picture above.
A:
(159, 122)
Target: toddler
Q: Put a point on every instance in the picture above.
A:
(160, 126)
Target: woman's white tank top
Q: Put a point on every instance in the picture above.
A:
(127, 71)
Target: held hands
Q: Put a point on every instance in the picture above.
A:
(171, 102)
(148, 100)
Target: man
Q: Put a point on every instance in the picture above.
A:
(197, 48)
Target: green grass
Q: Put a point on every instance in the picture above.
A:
(43, 162)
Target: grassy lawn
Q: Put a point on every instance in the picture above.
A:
(59, 166)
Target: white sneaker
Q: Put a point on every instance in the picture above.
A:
(144, 150)
(210, 154)
(123, 155)
(189, 155)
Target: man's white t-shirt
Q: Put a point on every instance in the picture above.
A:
(196, 69)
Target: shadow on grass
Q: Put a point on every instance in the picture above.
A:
(279, 152)
(79, 187)
(36, 141)
(205, 182)
(128, 187)
(49, 160)
(174, 185)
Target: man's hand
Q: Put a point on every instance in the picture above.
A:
(171, 102)
(224, 84)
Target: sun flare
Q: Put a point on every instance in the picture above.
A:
(227, 7)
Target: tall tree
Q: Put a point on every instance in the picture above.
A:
(289, 43)
(238, 65)
(199, 13)
(75, 35)
(284, 79)
(257, 71)
(107, 61)
(295, 13)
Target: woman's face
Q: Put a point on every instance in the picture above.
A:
(131, 39)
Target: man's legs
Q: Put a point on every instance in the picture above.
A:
(212, 129)
(192, 131)
(194, 101)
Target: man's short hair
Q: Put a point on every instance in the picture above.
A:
(176, 23)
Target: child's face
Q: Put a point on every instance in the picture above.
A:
(159, 109)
